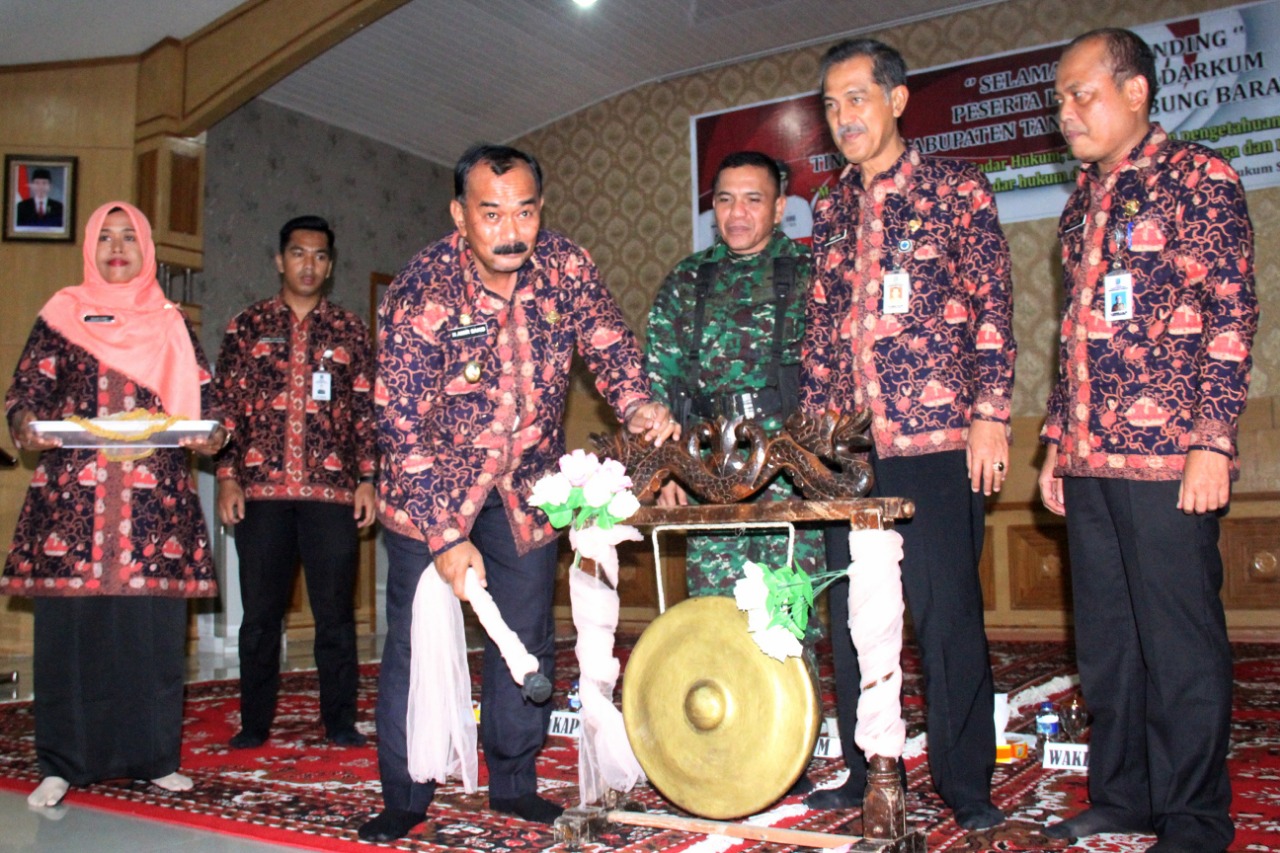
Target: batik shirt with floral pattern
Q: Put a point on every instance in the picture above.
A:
(94, 524)
(471, 387)
(927, 372)
(1133, 396)
(286, 444)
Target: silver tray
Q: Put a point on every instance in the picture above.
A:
(73, 435)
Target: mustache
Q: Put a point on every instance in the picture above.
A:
(516, 248)
(846, 129)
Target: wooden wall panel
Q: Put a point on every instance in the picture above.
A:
(1251, 563)
(1038, 567)
(83, 110)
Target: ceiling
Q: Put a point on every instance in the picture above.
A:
(434, 76)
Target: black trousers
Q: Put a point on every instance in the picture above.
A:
(108, 674)
(1155, 663)
(512, 730)
(269, 541)
(941, 548)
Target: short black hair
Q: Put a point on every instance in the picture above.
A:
(37, 174)
(305, 223)
(738, 159)
(500, 158)
(1128, 54)
(887, 65)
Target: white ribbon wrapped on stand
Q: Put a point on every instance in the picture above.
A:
(605, 759)
(875, 623)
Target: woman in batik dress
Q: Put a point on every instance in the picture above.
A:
(110, 545)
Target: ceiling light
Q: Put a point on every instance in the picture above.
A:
(585, 4)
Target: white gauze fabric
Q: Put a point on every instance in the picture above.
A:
(875, 623)
(605, 758)
(440, 725)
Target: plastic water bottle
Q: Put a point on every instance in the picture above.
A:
(1048, 728)
(575, 704)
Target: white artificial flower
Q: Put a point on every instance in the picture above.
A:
(623, 505)
(598, 491)
(579, 466)
(758, 619)
(777, 642)
(551, 490)
(616, 473)
(750, 593)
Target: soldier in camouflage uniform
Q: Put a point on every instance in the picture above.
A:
(737, 365)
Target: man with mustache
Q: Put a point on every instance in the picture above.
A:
(295, 378)
(475, 340)
(909, 315)
(1160, 314)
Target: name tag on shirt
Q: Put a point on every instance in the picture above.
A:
(99, 318)
(897, 292)
(474, 330)
(321, 386)
(1117, 294)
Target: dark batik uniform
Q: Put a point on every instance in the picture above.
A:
(924, 373)
(298, 460)
(111, 549)
(1133, 397)
(470, 394)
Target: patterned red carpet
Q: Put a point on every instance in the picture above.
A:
(298, 790)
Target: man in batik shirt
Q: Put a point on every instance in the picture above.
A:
(724, 340)
(909, 315)
(1157, 258)
(475, 340)
(297, 479)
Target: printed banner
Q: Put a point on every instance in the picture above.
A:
(1216, 87)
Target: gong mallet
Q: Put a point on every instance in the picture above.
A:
(534, 686)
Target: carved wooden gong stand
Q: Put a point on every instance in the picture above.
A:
(722, 463)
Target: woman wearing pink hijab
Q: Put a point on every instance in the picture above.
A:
(109, 547)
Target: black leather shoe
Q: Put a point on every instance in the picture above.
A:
(1093, 821)
(800, 787)
(348, 737)
(390, 825)
(530, 807)
(974, 816)
(247, 740)
(845, 797)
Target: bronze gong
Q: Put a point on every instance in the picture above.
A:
(720, 728)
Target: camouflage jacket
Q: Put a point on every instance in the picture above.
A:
(737, 334)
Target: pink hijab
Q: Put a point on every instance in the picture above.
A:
(146, 338)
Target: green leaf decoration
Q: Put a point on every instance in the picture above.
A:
(560, 516)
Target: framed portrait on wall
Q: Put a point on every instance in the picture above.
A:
(39, 198)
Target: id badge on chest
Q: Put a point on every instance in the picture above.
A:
(897, 292)
(321, 386)
(1117, 295)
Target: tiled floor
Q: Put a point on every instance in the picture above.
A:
(68, 829)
